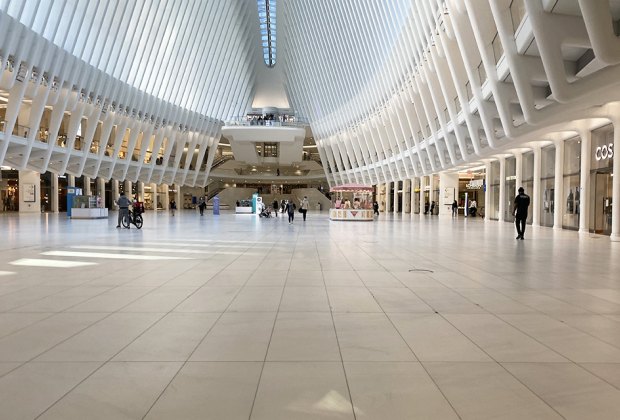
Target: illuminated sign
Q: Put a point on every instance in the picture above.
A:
(474, 184)
(604, 152)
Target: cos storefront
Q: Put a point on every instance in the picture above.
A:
(601, 180)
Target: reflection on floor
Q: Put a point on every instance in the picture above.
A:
(227, 317)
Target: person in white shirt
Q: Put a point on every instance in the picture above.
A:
(473, 207)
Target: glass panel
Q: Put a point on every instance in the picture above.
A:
(267, 20)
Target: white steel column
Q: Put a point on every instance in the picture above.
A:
(412, 197)
(615, 195)
(154, 195)
(395, 198)
(584, 182)
(422, 188)
(502, 189)
(448, 182)
(114, 194)
(536, 190)
(140, 190)
(70, 180)
(388, 203)
(55, 192)
(166, 197)
(101, 190)
(518, 170)
(87, 190)
(558, 210)
(487, 191)
(128, 188)
(407, 187)
(29, 181)
(431, 190)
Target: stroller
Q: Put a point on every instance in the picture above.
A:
(266, 212)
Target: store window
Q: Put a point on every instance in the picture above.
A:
(601, 179)
(547, 185)
(527, 174)
(493, 207)
(572, 191)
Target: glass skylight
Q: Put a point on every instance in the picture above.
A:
(267, 19)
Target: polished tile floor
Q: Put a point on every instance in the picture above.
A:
(234, 317)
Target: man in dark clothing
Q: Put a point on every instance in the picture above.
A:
(522, 202)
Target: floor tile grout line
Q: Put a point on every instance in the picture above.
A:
(273, 327)
(331, 313)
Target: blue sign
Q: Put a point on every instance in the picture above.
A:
(216, 205)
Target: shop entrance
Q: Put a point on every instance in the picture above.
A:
(600, 218)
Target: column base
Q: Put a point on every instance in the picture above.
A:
(614, 237)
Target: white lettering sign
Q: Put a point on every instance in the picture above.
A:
(474, 184)
(604, 152)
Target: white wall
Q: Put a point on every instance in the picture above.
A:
(27, 178)
(448, 192)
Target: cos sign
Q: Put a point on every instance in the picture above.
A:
(604, 152)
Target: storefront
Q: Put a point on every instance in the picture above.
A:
(601, 180)
(471, 184)
(9, 190)
(510, 186)
(547, 185)
(571, 189)
(492, 210)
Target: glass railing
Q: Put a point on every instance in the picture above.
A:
(268, 121)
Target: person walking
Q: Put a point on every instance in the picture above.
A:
(202, 206)
(432, 208)
(455, 208)
(521, 204)
(290, 209)
(375, 207)
(275, 207)
(304, 207)
(123, 208)
(173, 206)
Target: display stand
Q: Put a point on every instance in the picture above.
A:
(85, 207)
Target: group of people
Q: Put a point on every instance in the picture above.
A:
(261, 120)
(473, 208)
(289, 208)
(8, 204)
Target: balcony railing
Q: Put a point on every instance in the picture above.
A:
(277, 121)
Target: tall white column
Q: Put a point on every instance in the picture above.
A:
(422, 188)
(114, 194)
(178, 197)
(140, 190)
(87, 190)
(166, 197)
(395, 198)
(55, 191)
(615, 197)
(412, 197)
(536, 189)
(448, 192)
(558, 207)
(101, 190)
(128, 188)
(407, 196)
(487, 191)
(431, 191)
(71, 180)
(502, 189)
(518, 170)
(584, 182)
(155, 195)
(388, 203)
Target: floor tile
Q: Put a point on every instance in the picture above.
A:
(304, 336)
(370, 337)
(395, 391)
(237, 336)
(322, 393)
(118, 390)
(209, 390)
(352, 299)
(486, 391)
(304, 299)
(570, 390)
